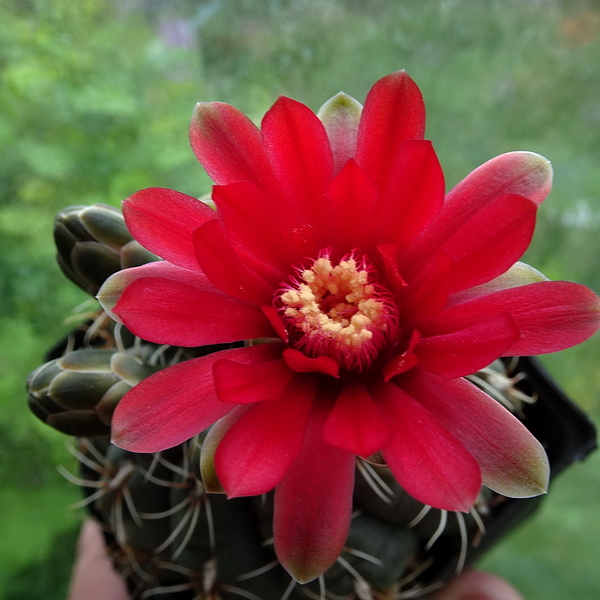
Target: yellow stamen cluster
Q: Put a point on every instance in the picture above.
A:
(337, 302)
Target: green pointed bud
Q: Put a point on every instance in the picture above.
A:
(341, 116)
(130, 369)
(210, 444)
(79, 423)
(519, 274)
(135, 255)
(78, 392)
(107, 404)
(106, 225)
(93, 243)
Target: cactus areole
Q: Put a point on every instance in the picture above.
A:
(364, 294)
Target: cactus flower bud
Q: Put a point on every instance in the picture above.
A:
(93, 243)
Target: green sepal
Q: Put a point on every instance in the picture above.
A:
(86, 360)
(106, 225)
(210, 444)
(130, 368)
(107, 404)
(81, 423)
(133, 254)
(75, 390)
(341, 117)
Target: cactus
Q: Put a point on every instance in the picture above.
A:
(93, 243)
(367, 297)
(170, 538)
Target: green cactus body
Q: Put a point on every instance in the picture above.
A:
(170, 538)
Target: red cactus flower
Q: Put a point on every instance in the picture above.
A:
(369, 295)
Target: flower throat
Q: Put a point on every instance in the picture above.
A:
(339, 311)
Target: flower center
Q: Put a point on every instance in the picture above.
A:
(339, 311)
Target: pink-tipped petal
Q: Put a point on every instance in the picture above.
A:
(512, 461)
(299, 362)
(164, 221)
(229, 145)
(551, 315)
(393, 113)
(222, 265)
(411, 196)
(313, 505)
(246, 384)
(519, 274)
(175, 404)
(426, 459)
(524, 173)
(166, 311)
(491, 241)
(352, 197)
(517, 173)
(341, 117)
(115, 285)
(468, 350)
(355, 424)
(297, 145)
(257, 451)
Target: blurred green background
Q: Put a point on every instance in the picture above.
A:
(95, 102)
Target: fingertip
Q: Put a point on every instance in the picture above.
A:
(478, 585)
(94, 577)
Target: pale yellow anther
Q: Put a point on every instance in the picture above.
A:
(308, 276)
(337, 302)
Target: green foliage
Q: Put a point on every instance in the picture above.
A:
(95, 101)
(48, 576)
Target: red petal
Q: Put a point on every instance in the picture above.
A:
(257, 451)
(115, 285)
(296, 142)
(411, 196)
(426, 459)
(299, 362)
(313, 504)
(551, 315)
(427, 294)
(176, 403)
(519, 274)
(164, 220)
(522, 173)
(248, 217)
(402, 362)
(355, 423)
(512, 461)
(244, 384)
(394, 112)
(172, 312)
(393, 279)
(221, 264)
(210, 443)
(272, 314)
(341, 116)
(229, 145)
(352, 197)
(468, 350)
(491, 241)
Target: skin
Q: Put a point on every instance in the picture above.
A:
(95, 579)
(93, 575)
(476, 585)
